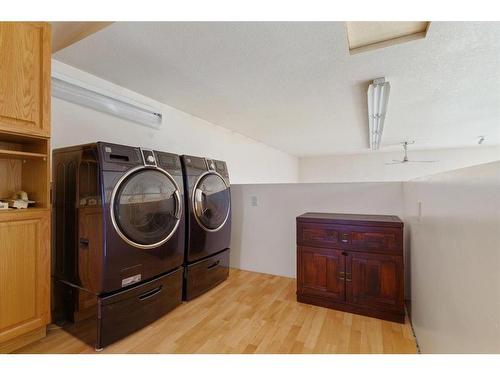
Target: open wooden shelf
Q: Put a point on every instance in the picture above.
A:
(22, 211)
(13, 154)
(24, 166)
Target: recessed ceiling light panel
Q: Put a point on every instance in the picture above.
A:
(366, 36)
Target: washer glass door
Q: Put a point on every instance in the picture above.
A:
(211, 201)
(146, 208)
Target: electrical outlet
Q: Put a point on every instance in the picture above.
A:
(253, 201)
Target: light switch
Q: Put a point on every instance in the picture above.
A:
(253, 201)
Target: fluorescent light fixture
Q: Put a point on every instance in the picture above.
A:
(378, 97)
(82, 94)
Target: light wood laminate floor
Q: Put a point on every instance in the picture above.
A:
(249, 313)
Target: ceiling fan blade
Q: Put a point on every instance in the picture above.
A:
(422, 161)
(395, 162)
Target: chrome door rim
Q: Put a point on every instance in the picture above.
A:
(112, 207)
(193, 202)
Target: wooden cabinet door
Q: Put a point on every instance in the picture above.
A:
(321, 272)
(375, 280)
(25, 58)
(24, 272)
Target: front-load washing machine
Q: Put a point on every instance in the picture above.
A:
(208, 218)
(119, 233)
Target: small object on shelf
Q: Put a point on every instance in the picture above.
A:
(4, 205)
(20, 200)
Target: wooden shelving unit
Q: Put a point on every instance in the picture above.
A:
(25, 236)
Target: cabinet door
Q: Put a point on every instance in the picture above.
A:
(321, 272)
(25, 77)
(375, 280)
(24, 272)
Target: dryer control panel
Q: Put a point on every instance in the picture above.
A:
(149, 157)
(169, 162)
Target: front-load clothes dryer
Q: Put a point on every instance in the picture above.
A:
(208, 218)
(118, 223)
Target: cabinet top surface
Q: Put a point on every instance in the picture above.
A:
(386, 220)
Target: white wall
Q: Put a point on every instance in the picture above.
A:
(455, 259)
(263, 237)
(371, 166)
(248, 161)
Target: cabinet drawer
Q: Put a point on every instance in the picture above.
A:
(376, 240)
(322, 235)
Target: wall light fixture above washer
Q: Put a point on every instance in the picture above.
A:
(71, 90)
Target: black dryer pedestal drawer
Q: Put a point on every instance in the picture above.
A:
(205, 274)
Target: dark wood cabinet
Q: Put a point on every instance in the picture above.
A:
(352, 263)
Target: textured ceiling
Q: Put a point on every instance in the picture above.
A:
(294, 85)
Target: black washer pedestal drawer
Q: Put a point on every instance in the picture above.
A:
(205, 274)
(128, 311)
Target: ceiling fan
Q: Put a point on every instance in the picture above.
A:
(405, 158)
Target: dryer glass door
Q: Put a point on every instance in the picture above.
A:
(211, 201)
(146, 208)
